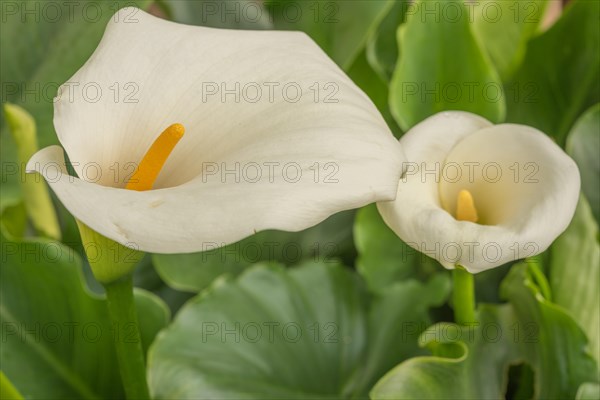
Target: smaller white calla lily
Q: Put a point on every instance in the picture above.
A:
(480, 195)
(276, 136)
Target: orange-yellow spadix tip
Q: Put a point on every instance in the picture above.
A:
(155, 158)
(465, 207)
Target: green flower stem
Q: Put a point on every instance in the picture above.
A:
(112, 265)
(108, 259)
(463, 296)
(121, 308)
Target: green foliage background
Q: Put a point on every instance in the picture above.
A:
(373, 315)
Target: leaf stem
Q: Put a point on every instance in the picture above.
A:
(463, 296)
(121, 308)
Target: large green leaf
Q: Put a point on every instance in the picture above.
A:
(305, 332)
(504, 27)
(384, 258)
(442, 67)
(57, 337)
(472, 362)
(340, 27)
(560, 75)
(583, 144)
(575, 273)
(194, 272)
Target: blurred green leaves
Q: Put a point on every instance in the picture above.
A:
(442, 67)
(57, 337)
(473, 361)
(559, 77)
(383, 258)
(305, 332)
(340, 27)
(355, 326)
(583, 145)
(575, 263)
(239, 14)
(382, 46)
(194, 272)
(504, 27)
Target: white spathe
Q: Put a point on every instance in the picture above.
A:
(277, 136)
(524, 186)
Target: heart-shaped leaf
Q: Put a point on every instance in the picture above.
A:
(305, 332)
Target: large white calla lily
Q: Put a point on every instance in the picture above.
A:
(276, 135)
(480, 195)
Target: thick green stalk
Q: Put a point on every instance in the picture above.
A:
(463, 296)
(121, 307)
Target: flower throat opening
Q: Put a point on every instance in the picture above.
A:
(155, 158)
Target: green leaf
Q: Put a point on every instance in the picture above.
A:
(196, 271)
(441, 67)
(504, 27)
(340, 27)
(473, 361)
(14, 220)
(305, 332)
(241, 14)
(560, 76)
(575, 273)
(7, 389)
(57, 337)
(384, 258)
(583, 143)
(365, 78)
(382, 46)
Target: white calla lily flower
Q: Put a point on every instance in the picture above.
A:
(480, 195)
(276, 136)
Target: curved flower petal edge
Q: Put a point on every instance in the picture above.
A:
(277, 136)
(523, 187)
